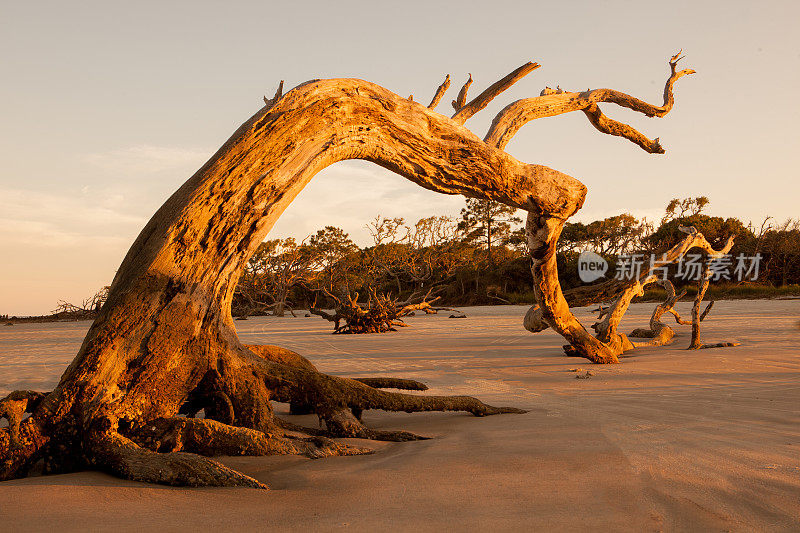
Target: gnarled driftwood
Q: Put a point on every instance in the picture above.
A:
(164, 343)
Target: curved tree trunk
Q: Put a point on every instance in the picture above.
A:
(164, 343)
(165, 338)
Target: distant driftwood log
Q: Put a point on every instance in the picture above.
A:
(379, 314)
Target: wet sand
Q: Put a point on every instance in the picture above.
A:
(668, 440)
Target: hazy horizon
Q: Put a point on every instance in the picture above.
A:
(108, 109)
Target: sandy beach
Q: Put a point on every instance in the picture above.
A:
(668, 440)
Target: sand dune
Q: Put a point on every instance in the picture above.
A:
(668, 440)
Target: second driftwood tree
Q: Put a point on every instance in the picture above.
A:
(164, 347)
(543, 229)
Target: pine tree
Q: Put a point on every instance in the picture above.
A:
(488, 222)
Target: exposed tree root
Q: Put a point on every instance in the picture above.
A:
(122, 457)
(211, 438)
(704, 346)
(175, 450)
(14, 406)
(344, 423)
(393, 383)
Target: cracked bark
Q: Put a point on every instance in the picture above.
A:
(165, 340)
(164, 343)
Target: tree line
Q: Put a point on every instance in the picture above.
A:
(481, 258)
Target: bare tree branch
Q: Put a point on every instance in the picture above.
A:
(461, 99)
(440, 93)
(483, 99)
(509, 121)
(278, 95)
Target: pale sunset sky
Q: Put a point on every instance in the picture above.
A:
(108, 107)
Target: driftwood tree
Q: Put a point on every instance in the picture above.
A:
(164, 343)
(608, 343)
(659, 332)
(86, 310)
(697, 316)
(543, 229)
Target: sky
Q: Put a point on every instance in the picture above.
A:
(107, 107)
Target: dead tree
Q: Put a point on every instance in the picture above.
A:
(164, 343)
(379, 314)
(609, 343)
(86, 310)
(662, 334)
(543, 229)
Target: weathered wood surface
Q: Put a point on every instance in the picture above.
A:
(165, 337)
(164, 343)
